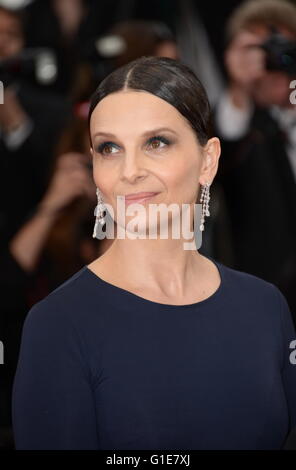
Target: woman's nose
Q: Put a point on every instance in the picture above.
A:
(132, 167)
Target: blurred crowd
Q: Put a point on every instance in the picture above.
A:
(53, 54)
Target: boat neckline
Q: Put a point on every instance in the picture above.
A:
(119, 290)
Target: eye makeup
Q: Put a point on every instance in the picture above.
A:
(161, 138)
(100, 148)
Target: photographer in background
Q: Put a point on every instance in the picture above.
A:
(64, 27)
(31, 120)
(52, 244)
(256, 122)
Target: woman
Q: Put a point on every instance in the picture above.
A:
(152, 346)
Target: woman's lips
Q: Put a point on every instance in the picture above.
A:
(142, 197)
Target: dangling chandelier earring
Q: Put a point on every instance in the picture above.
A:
(204, 199)
(99, 213)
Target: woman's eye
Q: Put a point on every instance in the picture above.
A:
(105, 145)
(155, 142)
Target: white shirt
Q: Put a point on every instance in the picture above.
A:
(233, 123)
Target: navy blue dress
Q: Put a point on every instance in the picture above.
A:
(103, 368)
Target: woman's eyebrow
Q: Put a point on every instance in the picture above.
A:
(152, 131)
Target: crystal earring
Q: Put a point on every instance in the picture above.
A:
(99, 213)
(204, 199)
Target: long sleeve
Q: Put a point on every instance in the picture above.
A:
(53, 405)
(103, 368)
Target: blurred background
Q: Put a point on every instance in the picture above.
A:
(53, 55)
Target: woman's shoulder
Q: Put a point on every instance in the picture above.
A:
(251, 290)
(74, 301)
(250, 302)
(244, 279)
(64, 326)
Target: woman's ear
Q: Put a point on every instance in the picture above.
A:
(211, 154)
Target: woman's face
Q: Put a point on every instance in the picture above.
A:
(141, 143)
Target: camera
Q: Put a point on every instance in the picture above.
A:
(34, 64)
(280, 53)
